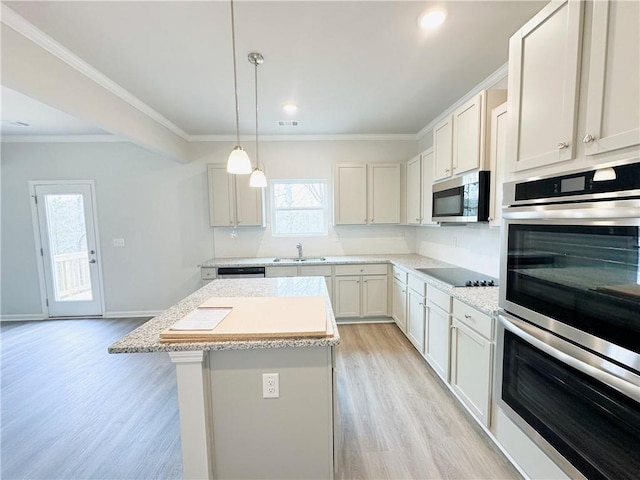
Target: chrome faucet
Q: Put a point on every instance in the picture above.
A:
(299, 247)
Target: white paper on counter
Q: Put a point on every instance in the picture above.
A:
(202, 318)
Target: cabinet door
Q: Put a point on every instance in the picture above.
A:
(543, 86)
(384, 193)
(613, 89)
(471, 370)
(442, 149)
(414, 191)
(284, 271)
(399, 304)
(436, 345)
(347, 296)
(249, 211)
(350, 194)
(329, 282)
(221, 213)
(466, 136)
(427, 187)
(497, 158)
(416, 319)
(374, 296)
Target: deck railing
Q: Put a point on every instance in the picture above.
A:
(72, 274)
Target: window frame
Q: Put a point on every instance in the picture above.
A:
(273, 209)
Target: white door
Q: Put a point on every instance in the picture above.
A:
(466, 136)
(414, 191)
(68, 248)
(374, 296)
(384, 193)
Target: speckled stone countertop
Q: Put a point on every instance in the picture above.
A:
(146, 338)
(484, 299)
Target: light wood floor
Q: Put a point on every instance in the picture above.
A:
(69, 410)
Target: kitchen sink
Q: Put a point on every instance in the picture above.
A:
(303, 259)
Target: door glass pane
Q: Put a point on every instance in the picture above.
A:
(68, 245)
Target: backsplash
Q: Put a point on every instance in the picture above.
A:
(342, 240)
(475, 246)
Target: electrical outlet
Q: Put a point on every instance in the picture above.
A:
(118, 242)
(270, 385)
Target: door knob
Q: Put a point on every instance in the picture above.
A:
(93, 260)
(563, 145)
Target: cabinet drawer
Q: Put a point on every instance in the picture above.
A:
(399, 274)
(478, 321)
(281, 272)
(311, 270)
(208, 273)
(439, 298)
(418, 285)
(362, 269)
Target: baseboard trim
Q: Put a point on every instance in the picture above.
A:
(349, 320)
(22, 317)
(133, 313)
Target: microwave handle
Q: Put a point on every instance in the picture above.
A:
(622, 380)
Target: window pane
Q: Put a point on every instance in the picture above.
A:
(292, 195)
(291, 222)
(68, 244)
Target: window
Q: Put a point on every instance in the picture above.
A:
(298, 207)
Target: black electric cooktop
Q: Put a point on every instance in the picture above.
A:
(460, 277)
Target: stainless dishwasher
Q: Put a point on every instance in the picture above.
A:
(240, 272)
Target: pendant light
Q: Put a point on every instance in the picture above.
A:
(238, 161)
(257, 178)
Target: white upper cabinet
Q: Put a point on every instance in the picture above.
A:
(497, 162)
(427, 187)
(367, 193)
(414, 191)
(443, 148)
(613, 86)
(569, 107)
(543, 85)
(466, 136)
(232, 202)
(350, 192)
(460, 141)
(384, 193)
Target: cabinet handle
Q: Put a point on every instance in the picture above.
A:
(447, 170)
(404, 291)
(563, 145)
(588, 138)
(417, 219)
(92, 261)
(467, 316)
(231, 222)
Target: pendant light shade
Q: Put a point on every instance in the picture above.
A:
(257, 178)
(238, 162)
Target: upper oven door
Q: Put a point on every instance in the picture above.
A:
(573, 269)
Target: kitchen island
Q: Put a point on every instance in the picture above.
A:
(228, 430)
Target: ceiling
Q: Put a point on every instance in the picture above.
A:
(353, 67)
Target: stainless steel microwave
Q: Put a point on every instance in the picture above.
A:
(463, 199)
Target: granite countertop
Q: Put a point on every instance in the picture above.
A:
(484, 299)
(146, 338)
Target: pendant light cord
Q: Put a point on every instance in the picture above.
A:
(235, 73)
(256, 82)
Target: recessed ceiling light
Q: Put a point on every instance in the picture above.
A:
(290, 107)
(432, 19)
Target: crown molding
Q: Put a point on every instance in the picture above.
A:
(37, 36)
(63, 139)
(488, 82)
(305, 138)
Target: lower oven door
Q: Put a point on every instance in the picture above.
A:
(581, 409)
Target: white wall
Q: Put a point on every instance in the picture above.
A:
(160, 208)
(475, 246)
(313, 160)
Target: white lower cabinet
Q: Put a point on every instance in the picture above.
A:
(437, 331)
(471, 359)
(399, 304)
(416, 309)
(360, 291)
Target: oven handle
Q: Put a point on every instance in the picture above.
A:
(616, 377)
(566, 211)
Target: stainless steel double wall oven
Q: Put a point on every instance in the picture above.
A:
(568, 363)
